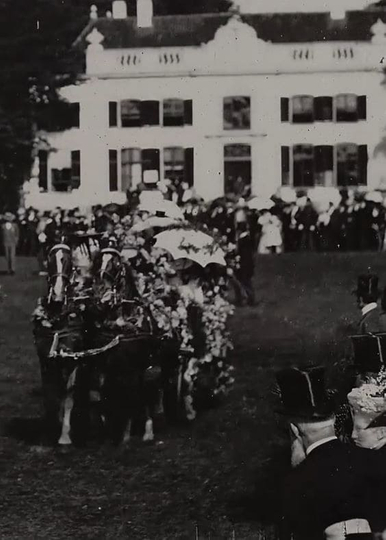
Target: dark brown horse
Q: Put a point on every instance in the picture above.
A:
(127, 392)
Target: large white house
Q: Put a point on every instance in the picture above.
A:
(291, 97)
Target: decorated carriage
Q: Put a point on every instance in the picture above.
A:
(133, 326)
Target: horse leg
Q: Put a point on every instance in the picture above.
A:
(68, 405)
(149, 433)
(127, 432)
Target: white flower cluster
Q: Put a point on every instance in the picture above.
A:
(371, 395)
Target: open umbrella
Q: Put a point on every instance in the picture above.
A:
(152, 223)
(259, 203)
(162, 208)
(190, 244)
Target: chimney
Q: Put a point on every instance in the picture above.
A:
(119, 9)
(144, 13)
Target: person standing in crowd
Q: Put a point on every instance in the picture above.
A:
(10, 237)
(306, 221)
(367, 293)
(244, 274)
(334, 488)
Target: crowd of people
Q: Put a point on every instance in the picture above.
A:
(289, 221)
(335, 488)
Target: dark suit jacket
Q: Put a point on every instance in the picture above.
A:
(372, 322)
(335, 483)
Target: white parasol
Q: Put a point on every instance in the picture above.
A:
(151, 223)
(259, 203)
(190, 244)
(161, 206)
(374, 196)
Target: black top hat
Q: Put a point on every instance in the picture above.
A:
(369, 352)
(367, 285)
(303, 393)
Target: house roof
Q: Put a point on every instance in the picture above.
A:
(194, 30)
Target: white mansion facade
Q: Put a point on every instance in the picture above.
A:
(294, 98)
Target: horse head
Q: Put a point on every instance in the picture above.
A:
(60, 269)
(111, 267)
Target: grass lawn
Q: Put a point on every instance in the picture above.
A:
(189, 479)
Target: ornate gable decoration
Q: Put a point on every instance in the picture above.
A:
(378, 31)
(235, 44)
(95, 39)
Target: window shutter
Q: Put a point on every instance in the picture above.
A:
(188, 112)
(43, 169)
(323, 108)
(113, 114)
(285, 165)
(284, 109)
(75, 169)
(113, 170)
(74, 115)
(150, 113)
(362, 107)
(362, 159)
(189, 166)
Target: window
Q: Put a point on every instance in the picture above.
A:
(237, 169)
(305, 165)
(150, 166)
(113, 170)
(177, 112)
(131, 113)
(346, 107)
(131, 167)
(179, 165)
(61, 179)
(302, 109)
(174, 163)
(75, 169)
(43, 169)
(237, 113)
(351, 165)
(74, 115)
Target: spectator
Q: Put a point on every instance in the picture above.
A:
(10, 235)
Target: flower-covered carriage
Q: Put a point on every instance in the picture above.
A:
(149, 302)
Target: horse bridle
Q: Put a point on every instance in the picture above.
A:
(62, 275)
(113, 251)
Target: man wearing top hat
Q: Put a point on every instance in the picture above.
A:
(367, 293)
(334, 489)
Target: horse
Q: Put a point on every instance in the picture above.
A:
(128, 387)
(59, 344)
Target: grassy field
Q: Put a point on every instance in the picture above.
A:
(193, 477)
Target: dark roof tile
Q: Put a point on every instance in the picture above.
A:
(193, 30)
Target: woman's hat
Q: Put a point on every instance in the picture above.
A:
(303, 393)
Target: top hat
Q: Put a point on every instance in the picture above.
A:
(367, 285)
(369, 352)
(303, 393)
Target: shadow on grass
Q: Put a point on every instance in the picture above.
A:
(31, 431)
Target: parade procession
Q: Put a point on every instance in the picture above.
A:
(134, 323)
(193, 270)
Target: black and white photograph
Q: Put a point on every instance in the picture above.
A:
(192, 269)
